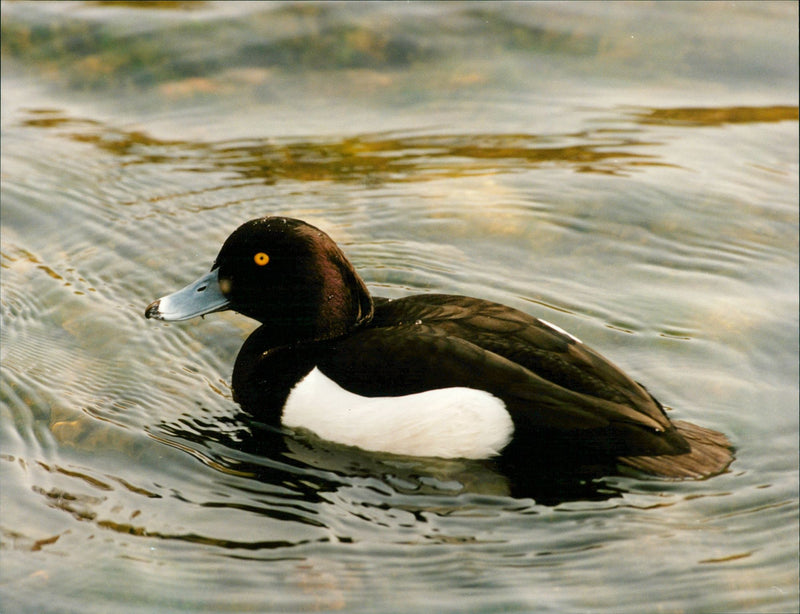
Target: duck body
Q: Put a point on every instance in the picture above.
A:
(425, 375)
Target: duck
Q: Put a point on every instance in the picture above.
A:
(425, 375)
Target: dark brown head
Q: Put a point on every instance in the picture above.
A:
(286, 274)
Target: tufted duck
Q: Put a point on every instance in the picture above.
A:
(429, 374)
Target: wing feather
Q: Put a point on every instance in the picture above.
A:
(551, 382)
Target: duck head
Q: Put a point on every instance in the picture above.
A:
(283, 272)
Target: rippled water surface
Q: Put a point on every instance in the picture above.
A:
(626, 171)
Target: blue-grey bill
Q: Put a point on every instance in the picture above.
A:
(198, 298)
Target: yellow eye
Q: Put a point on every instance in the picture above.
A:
(261, 259)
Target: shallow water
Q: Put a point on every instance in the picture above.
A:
(627, 172)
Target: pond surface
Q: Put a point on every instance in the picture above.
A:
(628, 172)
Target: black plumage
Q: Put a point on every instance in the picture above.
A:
(569, 405)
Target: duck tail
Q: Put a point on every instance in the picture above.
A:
(710, 455)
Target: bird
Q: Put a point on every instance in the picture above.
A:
(426, 375)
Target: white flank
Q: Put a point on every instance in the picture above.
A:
(446, 423)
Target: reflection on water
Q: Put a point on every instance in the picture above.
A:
(717, 117)
(396, 158)
(404, 475)
(628, 172)
(365, 158)
(271, 475)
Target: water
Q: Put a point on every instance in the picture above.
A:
(628, 172)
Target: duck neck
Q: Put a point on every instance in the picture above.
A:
(344, 303)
